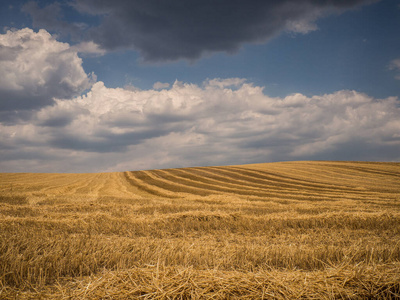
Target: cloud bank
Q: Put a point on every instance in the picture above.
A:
(223, 121)
(180, 29)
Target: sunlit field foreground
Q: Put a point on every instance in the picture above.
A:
(321, 230)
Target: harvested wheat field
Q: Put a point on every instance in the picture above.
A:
(309, 230)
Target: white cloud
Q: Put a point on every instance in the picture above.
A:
(35, 68)
(301, 26)
(220, 122)
(305, 23)
(88, 48)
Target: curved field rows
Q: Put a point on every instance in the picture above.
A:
(291, 180)
(287, 180)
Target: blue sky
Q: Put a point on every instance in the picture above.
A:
(347, 51)
(123, 85)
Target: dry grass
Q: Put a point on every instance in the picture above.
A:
(316, 230)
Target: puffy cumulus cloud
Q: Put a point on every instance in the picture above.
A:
(180, 29)
(34, 69)
(219, 122)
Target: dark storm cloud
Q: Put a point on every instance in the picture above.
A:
(180, 29)
(50, 18)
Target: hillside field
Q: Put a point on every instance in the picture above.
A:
(290, 230)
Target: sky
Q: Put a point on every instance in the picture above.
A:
(100, 86)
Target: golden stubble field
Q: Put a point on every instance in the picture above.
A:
(320, 230)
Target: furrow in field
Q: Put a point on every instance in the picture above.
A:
(172, 184)
(173, 175)
(115, 185)
(315, 172)
(367, 169)
(339, 173)
(124, 187)
(69, 185)
(190, 185)
(87, 186)
(369, 181)
(336, 177)
(335, 182)
(202, 176)
(143, 182)
(351, 185)
(111, 186)
(292, 169)
(337, 191)
(278, 181)
(303, 171)
(363, 169)
(369, 173)
(175, 182)
(274, 177)
(348, 191)
(95, 183)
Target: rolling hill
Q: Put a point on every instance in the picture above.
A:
(315, 229)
